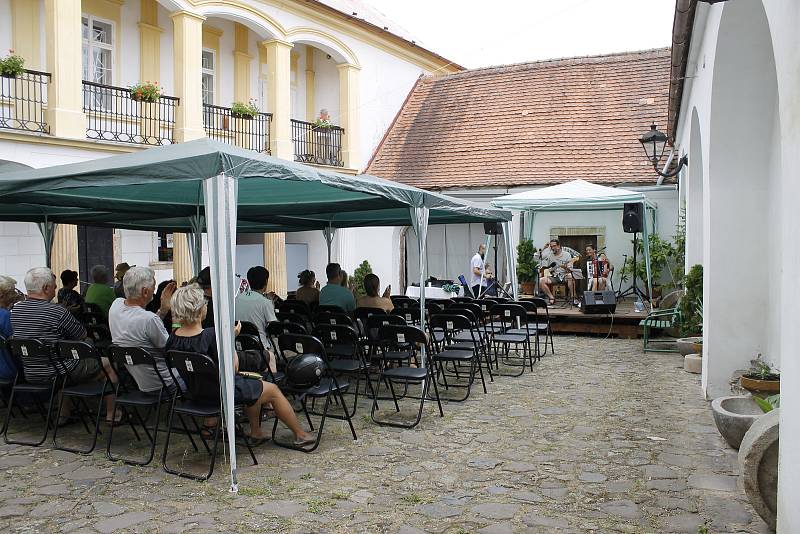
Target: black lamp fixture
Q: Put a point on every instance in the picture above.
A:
(655, 144)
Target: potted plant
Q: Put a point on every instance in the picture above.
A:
(527, 266)
(246, 111)
(12, 65)
(761, 378)
(691, 308)
(145, 92)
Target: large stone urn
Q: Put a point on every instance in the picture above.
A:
(758, 465)
(689, 345)
(734, 416)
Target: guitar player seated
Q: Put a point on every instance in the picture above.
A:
(558, 265)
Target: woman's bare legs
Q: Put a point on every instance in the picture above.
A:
(283, 411)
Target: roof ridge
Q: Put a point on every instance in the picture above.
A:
(572, 60)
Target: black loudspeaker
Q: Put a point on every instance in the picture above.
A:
(632, 217)
(493, 228)
(599, 302)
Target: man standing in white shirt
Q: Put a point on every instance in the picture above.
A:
(479, 278)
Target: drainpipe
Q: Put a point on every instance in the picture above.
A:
(666, 166)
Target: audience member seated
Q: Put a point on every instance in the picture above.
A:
(343, 283)
(372, 285)
(204, 281)
(255, 306)
(189, 308)
(99, 291)
(8, 296)
(67, 296)
(39, 318)
(333, 294)
(119, 274)
(132, 325)
(308, 291)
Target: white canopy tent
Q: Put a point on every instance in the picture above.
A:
(580, 195)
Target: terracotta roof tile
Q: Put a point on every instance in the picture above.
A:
(535, 123)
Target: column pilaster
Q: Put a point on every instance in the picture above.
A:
(65, 91)
(349, 113)
(188, 52)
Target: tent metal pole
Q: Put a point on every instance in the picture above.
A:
(419, 219)
(646, 245)
(220, 201)
(510, 259)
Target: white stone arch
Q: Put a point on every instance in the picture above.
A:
(741, 291)
(176, 5)
(693, 184)
(338, 49)
(259, 22)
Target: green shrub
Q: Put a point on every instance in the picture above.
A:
(245, 111)
(691, 303)
(12, 65)
(357, 278)
(526, 261)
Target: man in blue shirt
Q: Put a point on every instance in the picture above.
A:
(333, 294)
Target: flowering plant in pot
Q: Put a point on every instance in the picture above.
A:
(146, 92)
(12, 65)
(240, 110)
(761, 377)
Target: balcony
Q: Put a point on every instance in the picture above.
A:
(317, 144)
(112, 115)
(23, 100)
(250, 133)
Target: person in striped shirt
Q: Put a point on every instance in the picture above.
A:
(38, 317)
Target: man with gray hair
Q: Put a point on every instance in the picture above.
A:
(132, 325)
(38, 317)
(99, 292)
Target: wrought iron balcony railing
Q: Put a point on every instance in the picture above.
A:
(251, 133)
(112, 115)
(317, 144)
(23, 100)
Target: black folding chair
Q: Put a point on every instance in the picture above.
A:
(100, 336)
(456, 352)
(295, 306)
(329, 308)
(200, 397)
(398, 337)
(328, 317)
(536, 324)
(511, 318)
(541, 304)
(462, 299)
(132, 400)
(464, 339)
(274, 330)
(373, 341)
(93, 318)
(91, 307)
(82, 392)
(345, 355)
(328, 388)
(32, 352)
(401, 301)
(361, 316)
(253, 345)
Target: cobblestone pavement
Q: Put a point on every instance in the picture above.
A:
(599, 438)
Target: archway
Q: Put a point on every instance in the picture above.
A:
(694, 196)
(743, 251)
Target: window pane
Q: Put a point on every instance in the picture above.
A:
(208, 88)
(208, 60)
(85, 60)
(85, 29)
(102, 65)
(102, 32)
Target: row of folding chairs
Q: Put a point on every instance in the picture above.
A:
(183, 401)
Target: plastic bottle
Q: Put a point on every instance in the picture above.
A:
(638, 305)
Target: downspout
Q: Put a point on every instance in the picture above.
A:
(666, 166)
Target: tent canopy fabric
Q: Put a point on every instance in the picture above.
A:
(573, 195)
(161, 188)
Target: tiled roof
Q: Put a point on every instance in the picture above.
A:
(537, 123)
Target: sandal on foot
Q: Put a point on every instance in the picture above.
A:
(304, 442)
(207, 431)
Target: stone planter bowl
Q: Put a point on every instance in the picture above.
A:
(734, 416)
(690, 345)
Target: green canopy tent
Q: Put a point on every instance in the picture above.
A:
(206, 184)
(580, 195)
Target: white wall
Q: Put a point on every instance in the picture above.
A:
(5, 26)
(758, 126)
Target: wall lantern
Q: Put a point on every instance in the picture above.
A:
(655, 143)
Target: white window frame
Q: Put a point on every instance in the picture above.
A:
(213, 73)
(89, 43)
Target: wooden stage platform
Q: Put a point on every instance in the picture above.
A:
(568, 319)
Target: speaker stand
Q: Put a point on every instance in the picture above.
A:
(634, 289)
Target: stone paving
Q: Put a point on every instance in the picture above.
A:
(599, 438)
